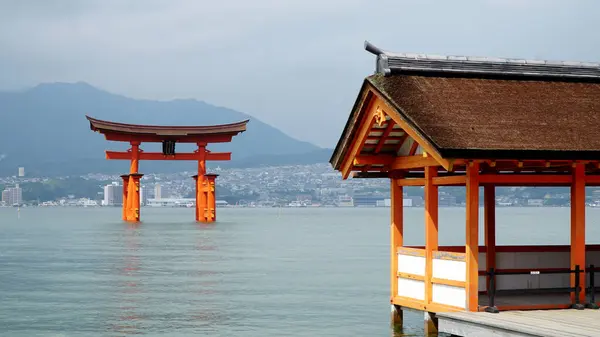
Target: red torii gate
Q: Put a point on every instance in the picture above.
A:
(168, 135)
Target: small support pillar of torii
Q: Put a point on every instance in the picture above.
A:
(168, 136)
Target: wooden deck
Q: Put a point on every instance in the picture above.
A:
(546, 323)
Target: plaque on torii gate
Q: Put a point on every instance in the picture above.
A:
(135, 135)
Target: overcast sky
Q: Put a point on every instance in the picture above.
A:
(296, 65)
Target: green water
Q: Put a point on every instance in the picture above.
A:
(257, 272)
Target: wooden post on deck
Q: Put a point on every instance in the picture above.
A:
(489, 196)
(396, 238)
(431, 229)
(578, 228)
(472, 236)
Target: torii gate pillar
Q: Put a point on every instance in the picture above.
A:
(133, 198)
(206, 202)
(125, 178)
(210, 211)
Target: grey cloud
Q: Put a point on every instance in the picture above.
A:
(295, 64)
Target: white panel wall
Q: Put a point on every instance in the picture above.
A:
(411, 288)
(449, 295)
(411, 264)
(449, 269)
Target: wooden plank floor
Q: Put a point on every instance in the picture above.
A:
(546, 323)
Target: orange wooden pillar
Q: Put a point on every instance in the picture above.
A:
(578, 228)
(211, 198)
(489, 196)
(396, 240)
(472, 237)
(431, 226)
(133, 196)
(133, 190)
(431, 241)
(201, 197)
(125, 178)
(197, 195)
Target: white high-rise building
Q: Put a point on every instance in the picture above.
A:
(113, 195)
(157, 192)
(146, 193)
(17, 195)
(13, 196)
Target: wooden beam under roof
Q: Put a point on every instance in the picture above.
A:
(380, 101)
(359, 140)
(385, 135)
(370, 175)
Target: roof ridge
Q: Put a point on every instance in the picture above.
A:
(391, 62)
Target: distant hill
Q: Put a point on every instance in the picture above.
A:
(45, 130)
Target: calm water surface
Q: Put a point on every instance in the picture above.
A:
(257, 272)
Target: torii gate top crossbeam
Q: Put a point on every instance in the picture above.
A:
(222, 133)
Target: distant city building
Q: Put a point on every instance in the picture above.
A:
(12, 196)
(178, 202)
(345, 201)
(146, 192)
(415, 201)
(367, 200)
(6, 197)
(446, 200)
(172, 202)
(113, 195)
(157, 191)
(535, 202)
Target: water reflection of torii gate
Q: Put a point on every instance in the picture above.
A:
(168, 136)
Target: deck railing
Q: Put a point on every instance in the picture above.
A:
(492, 273)
(592, 270)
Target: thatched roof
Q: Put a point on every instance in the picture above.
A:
(477, 109)
(472, 117)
